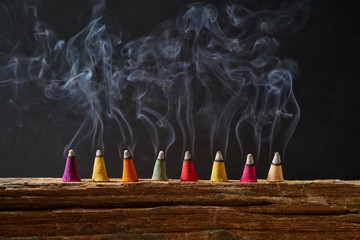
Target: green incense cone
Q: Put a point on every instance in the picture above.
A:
(159, 173)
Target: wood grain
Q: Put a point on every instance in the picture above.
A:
(47, 208)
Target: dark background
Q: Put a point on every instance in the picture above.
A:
(324, 145)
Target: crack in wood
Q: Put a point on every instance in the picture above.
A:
(134, 205)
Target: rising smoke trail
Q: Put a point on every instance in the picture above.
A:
(211, 71)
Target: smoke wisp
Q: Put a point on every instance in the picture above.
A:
(211, 71)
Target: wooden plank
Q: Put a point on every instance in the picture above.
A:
(50, 209)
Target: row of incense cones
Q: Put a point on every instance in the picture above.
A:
(188, 173)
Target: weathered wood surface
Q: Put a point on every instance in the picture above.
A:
(47, 208)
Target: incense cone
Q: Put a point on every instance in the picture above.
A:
(188, 171)
(71, 173)
(129, 172)
(99, 171)
(159, 172)
(249, 174)
(275, 172)
(218, 173)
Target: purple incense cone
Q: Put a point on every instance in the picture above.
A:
(71, 173)
(249, 174)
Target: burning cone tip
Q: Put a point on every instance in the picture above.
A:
(127, 154)
(161, 155)
(219, 156)
(249, 160)
(187, 155)
(71, 153)
(99, 153)
(276, 160)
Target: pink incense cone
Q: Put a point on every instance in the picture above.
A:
(71, 173)
(188, 171)
(249, 174)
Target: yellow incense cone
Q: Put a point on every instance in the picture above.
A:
(99, 171)
(129, 172)
(275, 172)
(218, 173)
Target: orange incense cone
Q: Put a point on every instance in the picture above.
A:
(188, 171)
(275, 172)
(129, 172)
(99, 171)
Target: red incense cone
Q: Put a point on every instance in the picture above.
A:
(188, 171)
(71, 173)
(249, 174)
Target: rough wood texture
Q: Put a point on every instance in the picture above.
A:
(47, 208)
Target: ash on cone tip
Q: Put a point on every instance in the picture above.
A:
(276, 160)
(127, 154)
(99, 153)
(161, 155)
(187, 155)
(71, 153)
(249, 159)
(219, 156)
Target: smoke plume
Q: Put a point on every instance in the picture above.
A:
(211, 71)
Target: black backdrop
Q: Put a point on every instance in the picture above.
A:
(324, 144)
